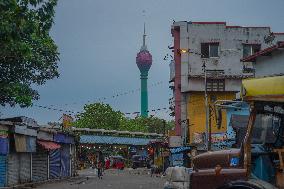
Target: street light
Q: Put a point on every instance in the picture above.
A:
(184, 50)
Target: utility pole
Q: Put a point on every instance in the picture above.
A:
(208, 145)
(209, 127)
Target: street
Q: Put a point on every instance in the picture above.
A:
(117, 179)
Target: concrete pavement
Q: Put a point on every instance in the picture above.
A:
(116, 179)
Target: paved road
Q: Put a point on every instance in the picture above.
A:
(112, 179)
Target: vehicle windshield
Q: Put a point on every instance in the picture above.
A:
(139, 158)
(266, 129)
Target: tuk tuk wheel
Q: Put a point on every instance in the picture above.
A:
(239, 185)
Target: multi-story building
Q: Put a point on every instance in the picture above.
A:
(210, 50)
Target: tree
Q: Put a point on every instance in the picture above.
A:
(138, 124)
(102, 116)
(99, 116)
(158, 125)
(28, 55)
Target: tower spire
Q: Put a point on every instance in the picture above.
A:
(144, 47)
(144, 35)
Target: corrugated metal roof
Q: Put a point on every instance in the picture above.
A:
(95, 139)
(48, 145)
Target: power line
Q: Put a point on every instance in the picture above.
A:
(102, 99)
(53, 107)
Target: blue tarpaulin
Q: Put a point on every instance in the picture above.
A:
(95, 139)
(65, 161)
(62, 138)
(4, 146)
(177, 159)
(54, 164)
(3, 170)
(179, 149)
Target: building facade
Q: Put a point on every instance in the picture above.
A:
(269, 61)
(210, 50)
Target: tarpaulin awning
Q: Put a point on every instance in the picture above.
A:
(179, 149)
(48, 145)
(95, 139)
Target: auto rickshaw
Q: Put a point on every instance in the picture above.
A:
(232, 169)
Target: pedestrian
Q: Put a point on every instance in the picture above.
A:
(107, 163)
(100, 169)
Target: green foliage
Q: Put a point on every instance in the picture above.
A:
(137, 124)
(99, 116)
(102, 116)
(28, 55)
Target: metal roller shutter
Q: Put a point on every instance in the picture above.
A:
(13, 169)
(25, 167)
(39, 166)
(65, 160)
(54, 164)
(3, 170)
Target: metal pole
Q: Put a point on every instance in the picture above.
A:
(209, 128)
(164, 127)
(206, 108)
(48, 167)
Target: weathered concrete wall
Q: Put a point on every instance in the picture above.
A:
(270, 65)
(197, 84)
(230, 39)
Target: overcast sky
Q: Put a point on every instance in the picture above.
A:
(98, 41)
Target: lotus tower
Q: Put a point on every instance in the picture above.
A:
(144, 62)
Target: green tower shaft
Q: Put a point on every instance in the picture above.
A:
(144, 94)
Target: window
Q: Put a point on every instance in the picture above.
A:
(215, 85)
(265, 129)
(249, 49)
(209, 50)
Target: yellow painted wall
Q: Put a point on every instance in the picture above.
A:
(197, 115)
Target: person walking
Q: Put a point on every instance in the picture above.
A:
(100, 169)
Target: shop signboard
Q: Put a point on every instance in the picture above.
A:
(132, 149)
(218, 137)
(67, 121)
(175, 141)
